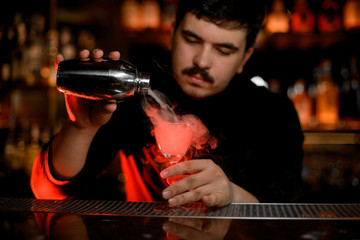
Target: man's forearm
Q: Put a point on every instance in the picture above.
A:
(69, 150)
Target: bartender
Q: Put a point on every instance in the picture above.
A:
(258, 156)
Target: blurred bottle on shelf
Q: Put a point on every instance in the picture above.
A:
(278, 20)
(274, 85)
(32, 148)
(52, 48)
(151, 14)
(66, 43)
(327, 95)
(131, 17)
(347, 95)
(303, 18)
(329, 17)
(86, 39)
(137, 16)
(351, 14)
(34, 51)
(350, 91)
(302, 102)
(17, 33)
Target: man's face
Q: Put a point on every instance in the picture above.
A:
(205, 57)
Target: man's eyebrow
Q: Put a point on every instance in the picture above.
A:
(230, 46)
(191, 34)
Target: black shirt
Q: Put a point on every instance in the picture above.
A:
(259, 140)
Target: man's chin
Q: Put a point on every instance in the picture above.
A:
(196, 93)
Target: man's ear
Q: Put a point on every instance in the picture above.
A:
(247, 56)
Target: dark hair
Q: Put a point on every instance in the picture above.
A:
(232, 14)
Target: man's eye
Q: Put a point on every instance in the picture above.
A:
(223, 52)
(191, 39)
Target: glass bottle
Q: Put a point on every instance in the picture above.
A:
(351, 14)
(303, 19)
(278, 21)
(302, 102)
(355, 85)
(329, 18)
(327, 96)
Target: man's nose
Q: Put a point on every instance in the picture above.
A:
(203, 57)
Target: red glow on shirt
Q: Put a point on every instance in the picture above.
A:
(135, 186)
(43, 184)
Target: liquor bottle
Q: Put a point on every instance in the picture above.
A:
(108, 79)
(347, 95)
(329, 18)
(277, 21)
(351, 14)
(151, 14)
(131, 15)
(327, 96)
(302, 102)
(303, 19)
(355, 86)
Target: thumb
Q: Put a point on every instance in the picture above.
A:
(58, 59)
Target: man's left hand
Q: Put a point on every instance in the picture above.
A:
(206, 181)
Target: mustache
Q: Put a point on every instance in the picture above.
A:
(196, 70)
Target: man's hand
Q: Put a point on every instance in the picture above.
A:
(206, 182)
(196, 228)
(84, 113)
(71, 145)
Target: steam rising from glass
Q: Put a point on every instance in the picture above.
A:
(175, 134)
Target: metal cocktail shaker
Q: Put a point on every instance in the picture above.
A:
(107, 80)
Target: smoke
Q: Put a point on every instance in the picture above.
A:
(158, 108)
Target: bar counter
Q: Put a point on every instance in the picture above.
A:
(27, 218)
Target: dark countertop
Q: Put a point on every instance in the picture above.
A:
(90, 219)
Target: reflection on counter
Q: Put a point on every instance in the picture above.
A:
(71, 227)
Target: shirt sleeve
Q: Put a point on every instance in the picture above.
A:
(43, 184)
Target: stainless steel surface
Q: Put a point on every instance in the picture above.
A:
(108, 79)
(198, 210)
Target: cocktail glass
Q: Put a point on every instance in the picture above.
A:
(173, 139)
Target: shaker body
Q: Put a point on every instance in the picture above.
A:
(107, 80)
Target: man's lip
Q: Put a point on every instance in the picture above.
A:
(197, 79)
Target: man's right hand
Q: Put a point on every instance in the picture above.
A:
(84, 113)
(71, 144)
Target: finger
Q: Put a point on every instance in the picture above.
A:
(182, 231)
(186, 184)
(188, 197)
(58, 59)
(84, 54)
(97, 54)
(102, 112)
(196, 223)
(108, 106)
(114, 55)
(213, 194)
(183, 168)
